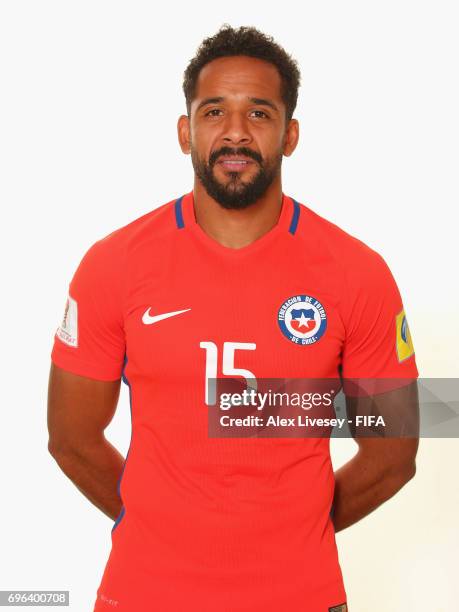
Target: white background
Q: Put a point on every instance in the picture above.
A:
(90, 95)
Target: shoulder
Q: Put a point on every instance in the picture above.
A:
(358, 262)
(154, 225)
(159, 221)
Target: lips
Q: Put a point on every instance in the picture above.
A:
(235, 164)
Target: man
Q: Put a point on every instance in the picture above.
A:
(234, 278)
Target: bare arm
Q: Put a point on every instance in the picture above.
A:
(79, 410)
(382, 466)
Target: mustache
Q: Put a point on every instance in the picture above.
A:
(230, 151)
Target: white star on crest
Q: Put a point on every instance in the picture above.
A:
(303, 321)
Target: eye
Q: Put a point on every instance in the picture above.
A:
(261, 114)
(213, 112)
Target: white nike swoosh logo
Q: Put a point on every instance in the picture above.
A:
(148, 320)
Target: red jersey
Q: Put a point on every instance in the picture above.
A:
(227, 524)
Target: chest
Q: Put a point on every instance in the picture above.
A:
(189, 318)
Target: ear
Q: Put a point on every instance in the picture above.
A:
(184, 135)
(292, 135)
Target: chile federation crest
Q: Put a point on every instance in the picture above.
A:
(302, 319)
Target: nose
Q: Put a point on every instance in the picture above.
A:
(236, 130)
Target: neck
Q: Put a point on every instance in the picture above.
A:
(237, 228)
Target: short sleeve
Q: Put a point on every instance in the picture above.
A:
(90, 340)
(378, 343)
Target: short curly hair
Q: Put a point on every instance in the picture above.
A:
(248, 41)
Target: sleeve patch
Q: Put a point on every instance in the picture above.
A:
(68, 329)
(404, 344)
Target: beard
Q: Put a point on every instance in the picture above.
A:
(235, 193)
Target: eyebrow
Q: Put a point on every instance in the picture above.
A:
(259, 101)
(209, 101)
(264, 102)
